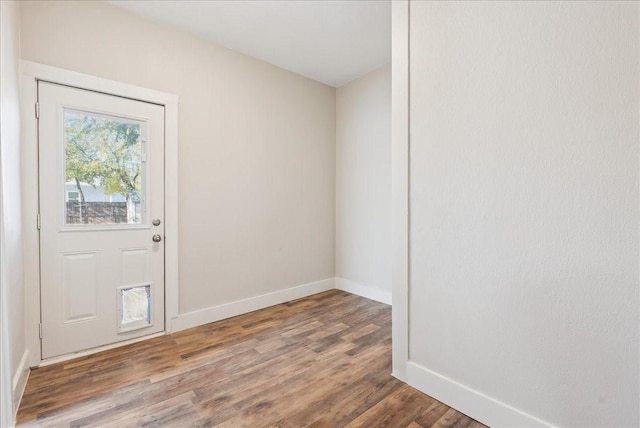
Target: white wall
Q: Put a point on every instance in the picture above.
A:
(13, 307)
(257, 152)
(524, 215)
(363, 185)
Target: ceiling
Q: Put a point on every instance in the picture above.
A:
(329, 41)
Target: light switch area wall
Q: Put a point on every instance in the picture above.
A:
(524, 205)
(363, 185)
(256, 147)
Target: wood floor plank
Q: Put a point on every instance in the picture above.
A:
(432, 415)
(322, 361)
(400, 408)
(452, 418)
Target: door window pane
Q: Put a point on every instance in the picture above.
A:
(104, 169)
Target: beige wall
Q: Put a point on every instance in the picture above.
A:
(363, 185)
(257, 152)
(13, 307)
(524, 284)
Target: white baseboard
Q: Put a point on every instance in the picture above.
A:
(373, 293)
(473, 403)
(20, 381)
(228, 310)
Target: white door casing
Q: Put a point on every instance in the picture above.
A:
(88, 269)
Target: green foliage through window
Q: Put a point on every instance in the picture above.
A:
(103, 151)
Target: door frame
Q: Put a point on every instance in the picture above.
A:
(30, 73)
(400, 186)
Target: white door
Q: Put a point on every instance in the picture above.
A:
(101, 178)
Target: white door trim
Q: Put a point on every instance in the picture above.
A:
(400, 186)
(30, 73)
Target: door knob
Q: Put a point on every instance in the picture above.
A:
(156, 222)
(157, 238)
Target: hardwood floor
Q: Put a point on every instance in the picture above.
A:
(321, 361)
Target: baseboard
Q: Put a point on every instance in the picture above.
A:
(473, 403)
(20, 381)
(228, 310)
(373, 293)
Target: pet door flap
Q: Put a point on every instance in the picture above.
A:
(134, 309)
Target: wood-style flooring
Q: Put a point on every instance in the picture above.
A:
(321, 361)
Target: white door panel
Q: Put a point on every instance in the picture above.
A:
(102, 275)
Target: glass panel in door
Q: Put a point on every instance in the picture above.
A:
(104, 169)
